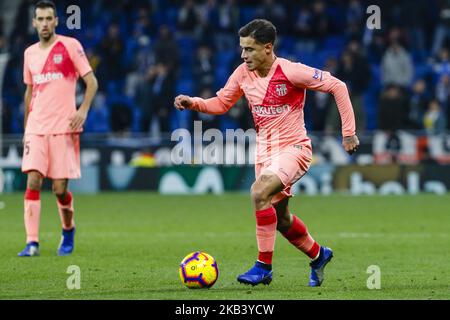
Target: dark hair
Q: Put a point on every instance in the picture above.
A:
(44, 4)
(263, 31)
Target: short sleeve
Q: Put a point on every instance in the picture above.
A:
(79, 58)
(27, 78)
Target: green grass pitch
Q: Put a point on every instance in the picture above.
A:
(129, 246)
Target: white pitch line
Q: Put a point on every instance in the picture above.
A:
(391, 235)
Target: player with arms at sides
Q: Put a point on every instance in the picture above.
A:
(275, 89)
(52, 123)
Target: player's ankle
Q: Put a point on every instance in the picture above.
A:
(265, 266)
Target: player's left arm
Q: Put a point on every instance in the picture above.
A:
(79, 118)
(311, 78)
(84, 69)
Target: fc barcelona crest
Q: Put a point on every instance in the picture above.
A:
(281, 89)
(57, 58)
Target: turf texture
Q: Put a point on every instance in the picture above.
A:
(129, 246)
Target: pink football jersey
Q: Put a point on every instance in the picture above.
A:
(53, 73)
(277, 101)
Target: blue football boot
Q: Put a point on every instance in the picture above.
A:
(259, 273)
(67, 242)
(31, 250)
(317, 266)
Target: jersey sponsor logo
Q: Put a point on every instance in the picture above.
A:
(46, 77)
(265, 111)
(57, 58)
(281, 89)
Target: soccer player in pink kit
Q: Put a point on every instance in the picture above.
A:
(275, 89)
(52, 123)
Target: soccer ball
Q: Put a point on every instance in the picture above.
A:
(198, 270)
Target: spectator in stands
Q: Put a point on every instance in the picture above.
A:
(112, 49)
(442, 29)
(442, 65)
(228, 24)
(144, 25)
(320, 21)
(442, 93)
(209, 15)
(166, 51)
(154, 98)
(396, 66)
(93, 58)
(303, 29)
(355, 19)
(414, 15)
(418, 103)
(204, 68)
(140, 60)
(355, 71)
(434, 120)
(393, 109)
(129, 58)
(7, 118)
(2, 44)
(375, 44)
(121, 118)
(188, 18)
(1, 27)
(302, 26)
(99, 116)
(274, 12)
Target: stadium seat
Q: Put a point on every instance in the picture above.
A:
(185, 86)
(222, 74)
(224, 58)
(334, 43)
(247, 14)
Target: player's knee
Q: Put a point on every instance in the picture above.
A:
(259, 194)
(33, 185)
(34, 182)
(59, 191)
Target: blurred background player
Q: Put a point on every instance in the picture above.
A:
(276, 89)
(52, 123)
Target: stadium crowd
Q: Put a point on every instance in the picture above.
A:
(146, 52)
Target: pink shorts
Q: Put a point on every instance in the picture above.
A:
(289, 165)
(55, 156)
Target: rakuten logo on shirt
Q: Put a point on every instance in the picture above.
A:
(47, 77)
(265, 111)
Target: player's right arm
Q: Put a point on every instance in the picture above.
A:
(27, 100)
(28, 80)
(225, 99)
